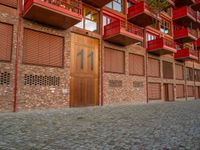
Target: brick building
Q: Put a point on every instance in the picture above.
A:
(72, 53)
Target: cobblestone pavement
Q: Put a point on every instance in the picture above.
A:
(156, 126)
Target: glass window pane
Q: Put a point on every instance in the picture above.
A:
(90, 25)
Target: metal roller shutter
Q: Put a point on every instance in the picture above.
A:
(114, 61)
(154, 91)
(42, 49)
(6, 31)
(179, 72)
(11, 3)
(180, 91)
(167, 70)
(190, 91)
(136, 64)
(153, 67)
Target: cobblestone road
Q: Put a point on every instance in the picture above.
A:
(157, 126)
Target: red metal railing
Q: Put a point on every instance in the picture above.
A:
(197, 43)
(184, 32)
(160, 43)
(184, 53)
(138, 8)
(116, 26)
(183, 11)
(74, 6)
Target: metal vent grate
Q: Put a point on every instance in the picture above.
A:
(34, 80)
(4, 78)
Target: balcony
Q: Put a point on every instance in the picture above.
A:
(184, 16)
(196, 5)
(141, 15)
(57, 13)
(161, 46)
(121, 33)
(197, 43)
(180, 3)
(185, 35)
(97, 3)
(186, 54)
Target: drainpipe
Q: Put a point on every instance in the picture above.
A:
(102, 60)
(194, 89)
(146, 68)
(17, 54)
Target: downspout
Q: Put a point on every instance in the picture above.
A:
(146, 67)
(102, 59)
(17, 54)
(186, 94)
(194, 89)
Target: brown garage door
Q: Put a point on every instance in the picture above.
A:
(180, 91)
(190, 91)
(168, 92)
(154, 91)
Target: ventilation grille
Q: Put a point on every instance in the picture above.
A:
(33, 80)
(4, 78)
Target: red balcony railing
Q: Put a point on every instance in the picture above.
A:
(97, 3)
(58, 13)
(161, 46)
(123, 33)
(197, 43)
(196, 5)
(140, 14)
(184, 15)
(180, 3)
(186, 54)
(185, 35)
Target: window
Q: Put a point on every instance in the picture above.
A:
(153, 67)
(6, 31)
(179, 72)
(197, 75)
(90, 20)
(165, 27)
(114, 61)
(116, 5)
(150, 37)
(42, 49)
(167, 11)
(189, 74)
(167, 70)
(136, 64)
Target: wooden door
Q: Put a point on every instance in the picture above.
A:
(197, 92)
(84, 71)
(168, 92)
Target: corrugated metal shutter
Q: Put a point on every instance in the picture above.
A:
(154, 91)
(114, 61)
(11, 3)
(180, 91)
(42, 49)
(153, 67)
(136, 64)
(167, 70)
(171, 92)
(6, 31)
(190, 91)
(179, 72)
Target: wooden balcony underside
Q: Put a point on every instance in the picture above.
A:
(97, 3)
(163, 50)
(60, 18)
(180, 3)
(185, 39)
(124, 38)
(142, 19)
